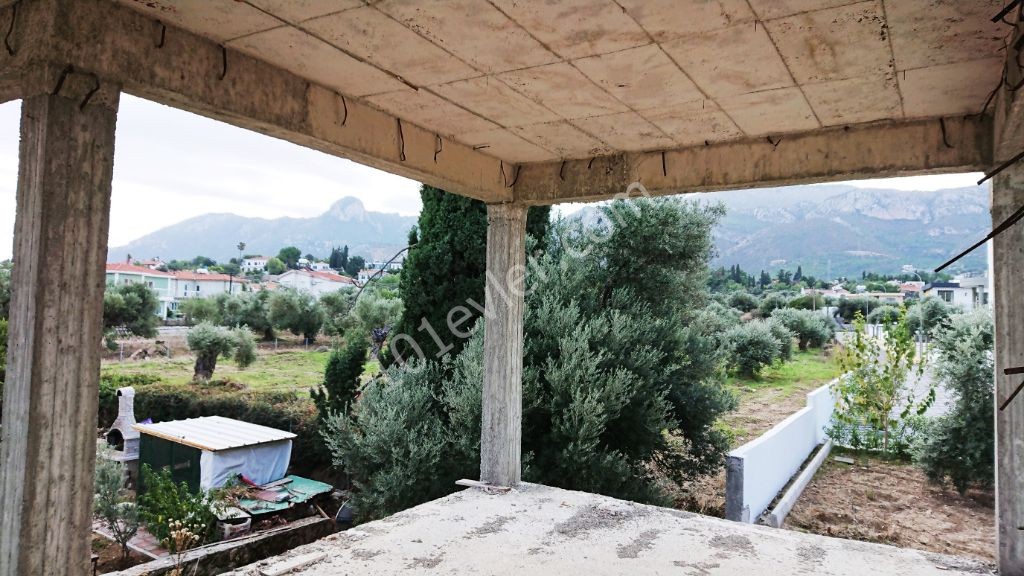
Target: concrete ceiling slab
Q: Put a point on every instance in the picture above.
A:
(694, 123)
(770, 112)
(643, 78)
(672, 19)
(854, 100)
(576, 28)
(769, 9)
(563, 89)
(735, 60)
(564, 139)
(627, 131)
(218, 20)
(295, 11)
(944, 31)
(959, 88)
(505, 145)
(474, 31)
(574, 78)
(376, 37)
(845, 42)
(492, 98)
(317, 61)
(430, 112)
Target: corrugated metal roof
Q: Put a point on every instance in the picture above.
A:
(214, 433)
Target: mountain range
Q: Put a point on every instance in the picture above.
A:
(373, 235)
(828, 230)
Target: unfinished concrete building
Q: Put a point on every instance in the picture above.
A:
(515, 103)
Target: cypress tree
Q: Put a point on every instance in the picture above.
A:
(445, 268)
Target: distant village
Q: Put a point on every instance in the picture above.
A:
(176, 281)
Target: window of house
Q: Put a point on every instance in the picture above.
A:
(946, 295)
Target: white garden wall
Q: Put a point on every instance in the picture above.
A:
(758, 470)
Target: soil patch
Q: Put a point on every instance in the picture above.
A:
(110, 556)
(893, 503)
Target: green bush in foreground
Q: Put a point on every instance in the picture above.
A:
(959, 447)
(162, 503)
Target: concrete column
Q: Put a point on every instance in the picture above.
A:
(501, 426)
(1008, 306)
(50, 398)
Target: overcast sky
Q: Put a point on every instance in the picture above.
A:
(171, 165)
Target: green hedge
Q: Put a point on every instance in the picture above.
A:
(163, 402)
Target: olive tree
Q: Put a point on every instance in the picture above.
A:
(209, 342)
(298, 312)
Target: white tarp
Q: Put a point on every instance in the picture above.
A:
(261, 463)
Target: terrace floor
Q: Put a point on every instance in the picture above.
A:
(541, 530)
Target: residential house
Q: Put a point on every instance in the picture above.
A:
(911, 289)
(320, 266)
(317, 283)
(202, 284)
(255, 263)
(395, 266)
(161, 283)
(364, 276)
(968, 291)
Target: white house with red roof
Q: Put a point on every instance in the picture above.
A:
(200, 284)
(162, 283)
(316, 282)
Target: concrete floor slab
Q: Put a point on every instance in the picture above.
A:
(541, 530)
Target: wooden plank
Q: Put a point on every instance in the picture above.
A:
(482, 485)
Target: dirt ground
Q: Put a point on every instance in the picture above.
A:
(110, 556)
(893, 503)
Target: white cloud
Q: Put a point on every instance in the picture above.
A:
(171, 165)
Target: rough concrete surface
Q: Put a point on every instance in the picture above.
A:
(541, 530)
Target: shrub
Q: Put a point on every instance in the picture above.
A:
(341, 378)
(743, 301)
(848, 308)
(753, 347)
(163, 505)
(111, 505)
(132, 306)
(785, 338)
(808, 302)
(770, 303)
(245, 347)
(812, 329)
(928, 315)
(109, 383)
(886, 314)
(198, 310)
(959, 446)
(393, 443)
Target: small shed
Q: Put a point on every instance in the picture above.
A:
(207, 452)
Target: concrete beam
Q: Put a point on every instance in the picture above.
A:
(867, 151)
(196, 74)
(51, 394)
(501, 421)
